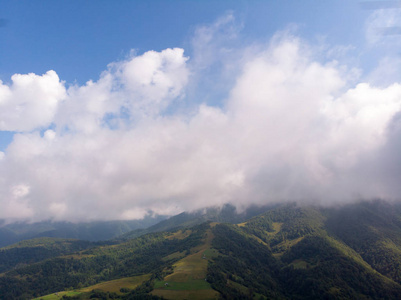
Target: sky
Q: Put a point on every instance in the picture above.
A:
(116, 110)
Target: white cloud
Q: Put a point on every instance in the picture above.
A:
(382, 26)
(30, 102)
(49, 135)
(210, 41)
(135, 88)
(20, 191)
(387, 71)
(292, 128)
(154, 79)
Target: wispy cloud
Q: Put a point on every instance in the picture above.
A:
(383, 4)
(382, 25)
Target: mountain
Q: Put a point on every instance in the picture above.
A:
(91, 231)
(31, 251)
(105, 230)
(226, 214)
(286, 252)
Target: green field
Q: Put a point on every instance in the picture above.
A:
(116, 285)
(108, 286)
(196, 284)
(188, 279)
(299, 264)
(174, 255)
(59, 295)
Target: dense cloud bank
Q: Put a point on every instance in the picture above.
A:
(129, 144)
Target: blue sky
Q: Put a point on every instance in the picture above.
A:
(78, 39)
(165, 106)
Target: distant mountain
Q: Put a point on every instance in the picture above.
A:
(31, 251)
(226, 214)
(90, 231)
(286, 252)
(7, 237)
(105, 230)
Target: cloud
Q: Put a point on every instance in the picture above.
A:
(290, 128)
(387, 71)
(141, 86)
(211, 42)
(155, 78)
(382, 25)
(30, 102)
(380, 4)
(303, 131)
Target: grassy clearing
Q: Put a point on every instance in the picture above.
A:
(299, 264)
(280, 248)
(259, 240)
(389, 244)
(191, 267)
(180, 235)
(189, 285)
(116, 285)
(277, 226)
(174, 255)
(188, 279)
(108, 286)
(57, 296)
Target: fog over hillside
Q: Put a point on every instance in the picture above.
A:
(295, 123)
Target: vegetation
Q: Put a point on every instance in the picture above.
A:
(36, 250)
(287, 252)
(135, 257)
(227, 213)
(91, 231)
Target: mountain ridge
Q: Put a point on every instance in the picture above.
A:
(286, 252)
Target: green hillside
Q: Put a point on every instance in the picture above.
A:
(116, 288)
(226, 214)
(91, 231)
(287, 252)
(36, 250)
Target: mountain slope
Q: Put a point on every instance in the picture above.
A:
(36, 250)
(302, 256)
(227, 214)
(287, 252)
(135, 257)
(373, 230)
(91, 231)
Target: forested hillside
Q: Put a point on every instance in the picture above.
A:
(226, 214)
(287, 252)
(91, 231)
